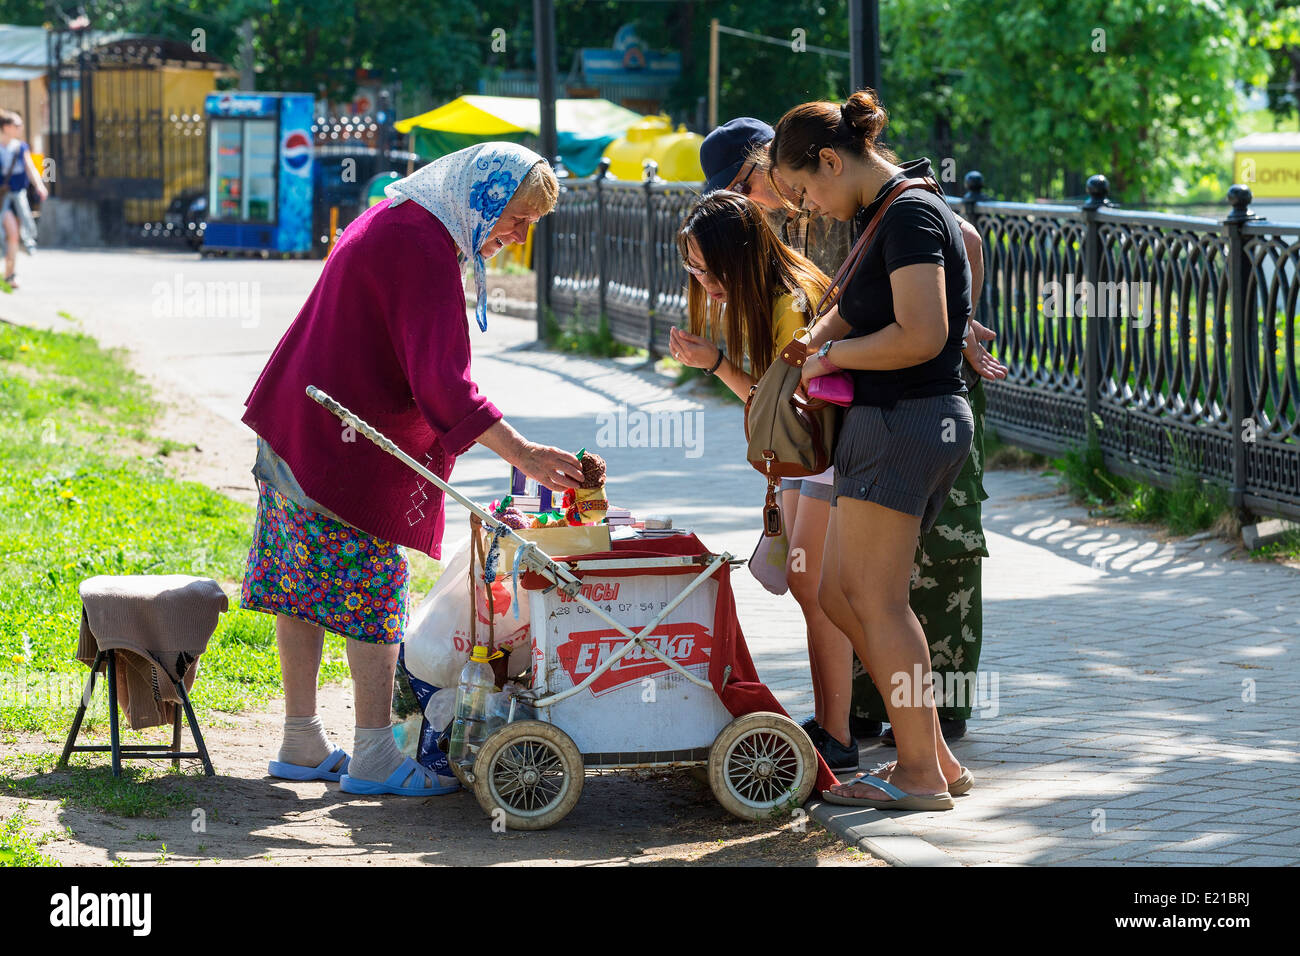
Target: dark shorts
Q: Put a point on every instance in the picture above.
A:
(905, 458)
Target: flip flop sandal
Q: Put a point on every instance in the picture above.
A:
(331, 768)
(962, 785)
(899, 800)
(406, 781)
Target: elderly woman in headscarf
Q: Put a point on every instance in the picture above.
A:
(384, 331)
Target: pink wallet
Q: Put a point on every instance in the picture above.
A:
(835, 388)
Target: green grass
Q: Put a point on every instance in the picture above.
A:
(88, 781)
(1191, 504)
(578, 337)
(1284, 549)
(83, 491)
(18, 845)
(999, 454)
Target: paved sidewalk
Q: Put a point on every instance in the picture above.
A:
(1142, 689)
(1145, 690)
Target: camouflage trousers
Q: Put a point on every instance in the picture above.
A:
(947, 599)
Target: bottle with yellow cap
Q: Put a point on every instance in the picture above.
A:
(470, 727)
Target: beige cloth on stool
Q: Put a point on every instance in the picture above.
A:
(165, 618)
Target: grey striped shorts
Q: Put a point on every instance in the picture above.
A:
(905, 458)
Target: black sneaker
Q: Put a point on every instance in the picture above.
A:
(863, 729)
(951, 729)
(838, 756)
(812, 728)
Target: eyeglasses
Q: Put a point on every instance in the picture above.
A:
(698, 273)
(743, 186)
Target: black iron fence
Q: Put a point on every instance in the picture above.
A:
(1169, 340)
(615, 254)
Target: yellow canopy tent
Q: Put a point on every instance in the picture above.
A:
(584, 126)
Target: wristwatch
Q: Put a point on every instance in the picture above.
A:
(823, 353)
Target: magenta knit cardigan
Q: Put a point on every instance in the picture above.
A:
(384, 332)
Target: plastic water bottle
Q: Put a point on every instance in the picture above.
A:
(470, 727)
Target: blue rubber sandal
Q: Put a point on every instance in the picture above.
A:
(399, 783)
(338, 761)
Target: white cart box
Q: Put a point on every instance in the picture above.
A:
(640, 706)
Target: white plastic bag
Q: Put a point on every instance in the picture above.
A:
(441, 708)
(437, 635)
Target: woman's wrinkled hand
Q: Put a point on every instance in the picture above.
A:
(984, 364)
(692, 350)
(552, 467)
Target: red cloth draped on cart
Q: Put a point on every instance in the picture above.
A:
(744, 693)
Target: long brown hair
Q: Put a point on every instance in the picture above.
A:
(804, 131)
(754, 267)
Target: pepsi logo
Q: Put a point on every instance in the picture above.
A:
(295, 150)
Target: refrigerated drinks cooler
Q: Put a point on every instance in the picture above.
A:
(259, 172)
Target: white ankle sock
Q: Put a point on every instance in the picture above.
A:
(305, 743)
(374, 754)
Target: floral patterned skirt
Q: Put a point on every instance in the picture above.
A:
(311, 567)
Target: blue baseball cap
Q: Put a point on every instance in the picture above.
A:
(726, 149)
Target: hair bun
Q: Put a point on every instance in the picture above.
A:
(863, 112)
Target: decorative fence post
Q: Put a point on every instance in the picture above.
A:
(1239, 197)
(600, 237)
(1098, 191)
(650, 173)
(974, 181)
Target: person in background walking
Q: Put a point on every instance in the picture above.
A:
(17, 169)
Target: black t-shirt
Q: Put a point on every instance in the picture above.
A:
(917, 227)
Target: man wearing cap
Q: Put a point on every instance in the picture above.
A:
(734, 157)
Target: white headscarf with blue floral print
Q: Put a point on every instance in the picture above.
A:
(468, 190)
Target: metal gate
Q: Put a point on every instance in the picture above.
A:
(111, 137)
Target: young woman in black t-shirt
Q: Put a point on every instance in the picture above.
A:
(899, 330)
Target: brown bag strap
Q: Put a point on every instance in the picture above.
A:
(859, 251)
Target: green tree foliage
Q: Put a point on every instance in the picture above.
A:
(763, 79)
(1142, 91)
(1037, 95)
(1279, 34)
(756, 78)
(319, 45)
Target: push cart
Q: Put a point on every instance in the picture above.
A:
(621, 652)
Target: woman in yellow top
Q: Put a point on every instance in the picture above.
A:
(753, 292)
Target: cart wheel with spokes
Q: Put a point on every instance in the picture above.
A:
(532, 771)
(761, 762)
